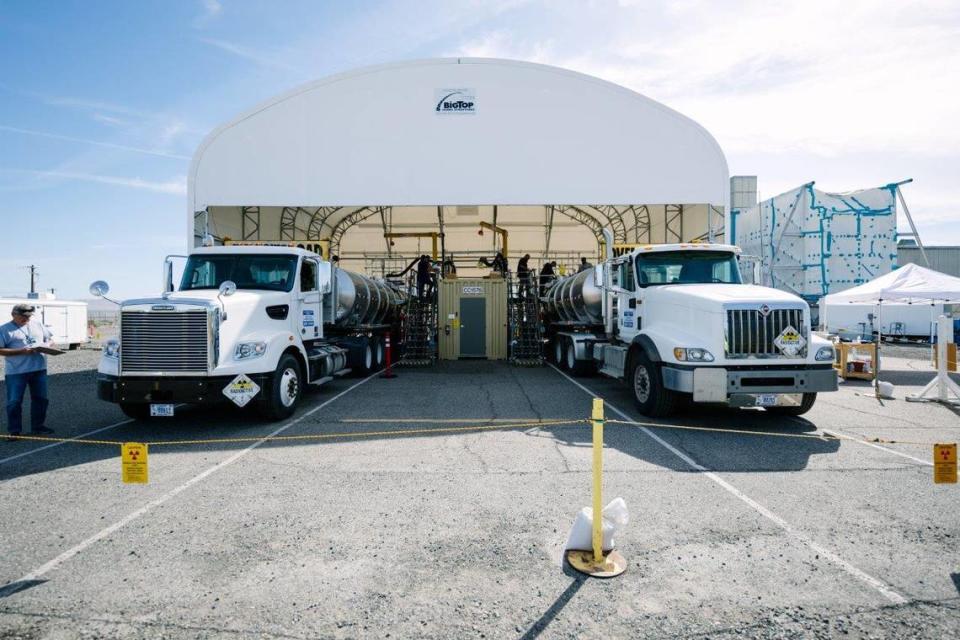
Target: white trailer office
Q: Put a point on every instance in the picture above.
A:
(66, 319)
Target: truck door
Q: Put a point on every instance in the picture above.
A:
(628, 302)
(308, 314)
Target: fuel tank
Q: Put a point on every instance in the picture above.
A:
(575, 298)
(363, 300)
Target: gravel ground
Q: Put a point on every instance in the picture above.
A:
(83, 359)
(460, 534)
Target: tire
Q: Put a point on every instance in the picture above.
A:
(649, 394)
(805, 405)
(281, 397)
(579, 368)
(379, 353)
(558, 351)
(137, 411)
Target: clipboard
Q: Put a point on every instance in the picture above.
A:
(50, 351)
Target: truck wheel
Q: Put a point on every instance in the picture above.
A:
(367, 354)
(280, 399)
(649, 394)
(578, 368)
(806, 403)
(558, 351)
(137, 411)
(379, 353)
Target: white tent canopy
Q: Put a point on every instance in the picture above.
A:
(533, 134)
(910, 283)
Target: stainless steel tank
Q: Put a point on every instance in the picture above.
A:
(363, 300)
(575, 298)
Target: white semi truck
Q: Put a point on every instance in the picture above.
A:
(676, 323)
(253, 325)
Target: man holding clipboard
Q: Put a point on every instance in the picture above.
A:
(24, 343)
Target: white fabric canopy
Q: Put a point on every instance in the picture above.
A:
(910, 283)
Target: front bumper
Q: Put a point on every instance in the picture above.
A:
(719, 384)
(147, 390)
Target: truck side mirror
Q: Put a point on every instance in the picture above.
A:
(227, 288)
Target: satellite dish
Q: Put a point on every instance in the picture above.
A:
(99, 289)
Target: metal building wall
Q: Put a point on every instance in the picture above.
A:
(495, 293)
(943, 259)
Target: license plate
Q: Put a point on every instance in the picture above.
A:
(767, 400)
(161, 410)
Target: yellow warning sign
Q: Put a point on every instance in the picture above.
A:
(945, 463)
(133, 460)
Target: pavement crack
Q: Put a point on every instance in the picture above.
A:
(563, 458)
(484, 468)
(518, 385)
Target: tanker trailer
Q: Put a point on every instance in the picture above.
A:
(676, 323)
(253, 325)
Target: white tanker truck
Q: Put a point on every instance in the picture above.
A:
(248, 324)
(675, 322)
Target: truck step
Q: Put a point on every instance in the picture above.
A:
(342, 372)
(320, 381)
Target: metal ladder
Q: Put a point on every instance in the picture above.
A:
(420, 330)
(524, 327)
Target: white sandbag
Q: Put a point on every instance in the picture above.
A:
(885, 389)
(614, 517)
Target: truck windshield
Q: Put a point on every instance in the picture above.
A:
(269, 272)
(687, 267)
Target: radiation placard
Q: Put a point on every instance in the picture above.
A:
(945, 463)
(241, 390)
(133, 463)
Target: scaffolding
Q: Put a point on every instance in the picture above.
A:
(525, 337)
(420, 326)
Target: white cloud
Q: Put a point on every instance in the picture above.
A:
(211, 11)
(261, 57)
(98, 143)
(176, 186)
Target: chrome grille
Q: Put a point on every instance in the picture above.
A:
(164, 341)
(751, 334)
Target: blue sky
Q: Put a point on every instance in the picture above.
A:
(102, 103)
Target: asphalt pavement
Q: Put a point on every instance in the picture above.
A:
(392, 523)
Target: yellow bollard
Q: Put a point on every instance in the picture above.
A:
(594, 563)
(597, 418)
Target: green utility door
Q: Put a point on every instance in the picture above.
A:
(473, 327)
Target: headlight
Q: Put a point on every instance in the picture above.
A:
(692, 355)
(112, 349)
(825, 354)
(246, 350)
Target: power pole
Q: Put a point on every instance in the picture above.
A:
(33, 279)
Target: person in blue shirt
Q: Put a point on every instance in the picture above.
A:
(25, 367)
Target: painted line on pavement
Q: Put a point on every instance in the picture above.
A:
(57, 444)
(844, 436)
(861, 575)
(71, 552)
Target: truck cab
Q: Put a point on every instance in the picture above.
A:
(247, 324)
(676, 321)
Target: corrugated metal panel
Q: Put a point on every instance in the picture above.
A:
(495, 293)
(449, 311)
(743, 192)
(943, 259)
(496, 319)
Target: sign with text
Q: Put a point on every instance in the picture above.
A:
(133, 463)
(945, 463)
